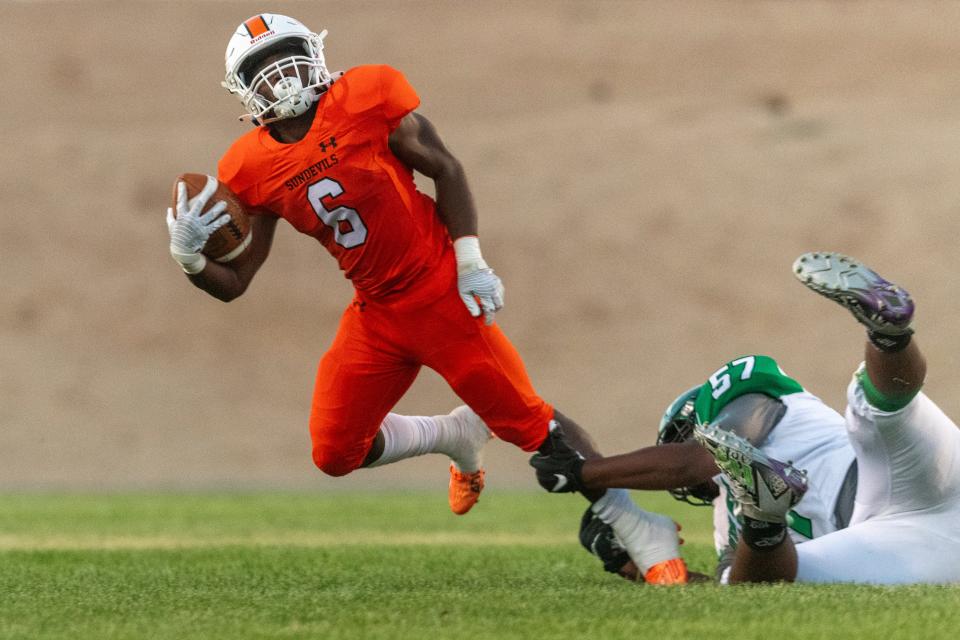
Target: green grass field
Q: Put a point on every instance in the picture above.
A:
(388, 566)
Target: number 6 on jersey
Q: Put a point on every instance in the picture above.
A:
(330, 188)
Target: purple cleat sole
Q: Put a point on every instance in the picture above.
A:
(876, 303)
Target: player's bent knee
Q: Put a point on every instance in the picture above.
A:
(334, 465)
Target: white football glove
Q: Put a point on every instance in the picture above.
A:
(476, 281)
(191, 228)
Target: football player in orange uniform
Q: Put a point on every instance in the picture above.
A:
(334, 155)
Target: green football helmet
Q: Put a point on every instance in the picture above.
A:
(678, 420)
(676, 426)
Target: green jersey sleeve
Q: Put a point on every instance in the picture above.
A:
(749, 374)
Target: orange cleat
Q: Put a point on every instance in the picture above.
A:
(465, 489)
(670, 572)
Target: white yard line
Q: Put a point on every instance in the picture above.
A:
(340, 539)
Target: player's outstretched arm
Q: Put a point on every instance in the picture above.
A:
(417, 144)
(663, 467)
(667, 466)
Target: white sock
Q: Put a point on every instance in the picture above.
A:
(409, 436)
(465, 435)
(649, 538)
(406, 437)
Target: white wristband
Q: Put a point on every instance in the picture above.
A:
(192, 263)
(467, 250)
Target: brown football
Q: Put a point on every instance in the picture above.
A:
(230, 240)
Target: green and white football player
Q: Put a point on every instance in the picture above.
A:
(894, 450)
(752, 397)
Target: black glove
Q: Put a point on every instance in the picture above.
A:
(558, 464)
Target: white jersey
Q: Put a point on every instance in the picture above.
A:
(814, 437)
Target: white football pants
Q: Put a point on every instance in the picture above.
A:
(906, 522)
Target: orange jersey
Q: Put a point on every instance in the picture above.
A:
(342, 185)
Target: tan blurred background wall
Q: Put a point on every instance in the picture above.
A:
(645, 171)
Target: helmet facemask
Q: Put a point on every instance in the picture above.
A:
(676, 427)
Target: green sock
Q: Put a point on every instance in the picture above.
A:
(880, 400)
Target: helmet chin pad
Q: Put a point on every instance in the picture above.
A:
(292, 99)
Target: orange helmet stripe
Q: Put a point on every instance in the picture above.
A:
(256, 26)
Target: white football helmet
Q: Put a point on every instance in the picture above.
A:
(294, 82)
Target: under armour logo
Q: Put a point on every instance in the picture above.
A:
(332, 143)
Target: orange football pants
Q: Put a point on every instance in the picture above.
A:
(376, 355)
